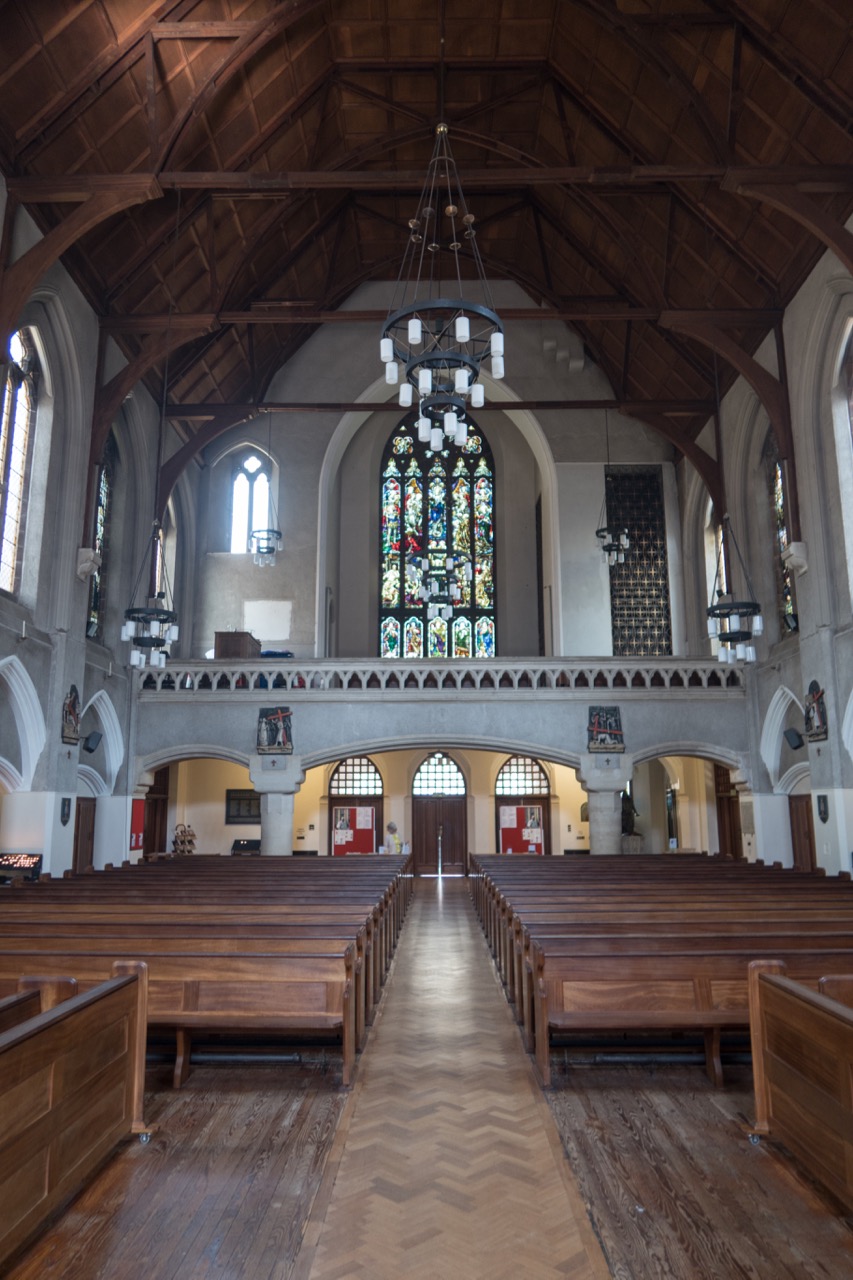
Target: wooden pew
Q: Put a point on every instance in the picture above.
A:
(237, 992)
(692, 990)
(802, 1061)
(34, 995)
(71, 1087)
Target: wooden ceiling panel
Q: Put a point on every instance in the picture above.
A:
(350, 89)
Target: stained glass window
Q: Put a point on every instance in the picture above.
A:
(19, 401)
(779, 510)
(435, 507)
(100, 542)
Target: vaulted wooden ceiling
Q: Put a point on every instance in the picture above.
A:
(219, 175)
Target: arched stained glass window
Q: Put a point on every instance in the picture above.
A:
(439, 776)
(356, 776)
(522, 776)
(18, 415)
(437, 509)
(100, 542)
(779, 507)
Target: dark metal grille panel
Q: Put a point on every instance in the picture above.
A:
(639, 588)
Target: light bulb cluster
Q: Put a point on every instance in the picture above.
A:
(433, 347)
(734, 624)
(151, 629)
(614, 544)
(263, 545)
(442, 586)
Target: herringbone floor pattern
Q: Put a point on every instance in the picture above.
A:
(447, 1162)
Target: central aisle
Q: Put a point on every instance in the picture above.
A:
(447, 1162)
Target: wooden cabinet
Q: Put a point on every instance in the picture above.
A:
(235, 644)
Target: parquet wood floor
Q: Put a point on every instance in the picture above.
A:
(447, 1162)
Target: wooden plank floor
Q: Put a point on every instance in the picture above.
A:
(447, 1162)
(431, 1153)
(675, 1188)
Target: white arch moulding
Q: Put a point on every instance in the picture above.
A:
(105, 713)
(790, 782)
(439, 742)
(770, 747)
(93, 782)
(10, 778)
(29, 717)
(187, 751)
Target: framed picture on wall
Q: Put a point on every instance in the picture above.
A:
(242, 808)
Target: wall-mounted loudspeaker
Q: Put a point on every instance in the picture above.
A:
(793, 739)
(91, 742)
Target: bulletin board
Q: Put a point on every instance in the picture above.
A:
(137, 825)
(521, 828)
(353, 829)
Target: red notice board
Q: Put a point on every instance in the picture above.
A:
(137, 825)
(521, 828)
(353, 829)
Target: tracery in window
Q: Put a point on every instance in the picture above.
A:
(356, 776)
(779, 510)
(436, 507)
(522, 776)
(250, 500)
(100, 542)
(439, 776)
(19, 407)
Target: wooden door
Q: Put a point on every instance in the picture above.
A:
(802, 833)
(728, 814)
(84, 833)
(156, 814)
(446, 816)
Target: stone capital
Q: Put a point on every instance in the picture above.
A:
(600, 771)
(276, 773)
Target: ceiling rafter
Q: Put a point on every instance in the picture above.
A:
(245, 47)
(100, 75)
(651, 53)
(779, 54)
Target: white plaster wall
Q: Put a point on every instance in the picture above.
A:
(199, 801)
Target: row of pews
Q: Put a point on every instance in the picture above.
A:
(263, 944)
(642, 944)
(268, 945)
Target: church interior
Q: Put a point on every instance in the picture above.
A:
(427, 436)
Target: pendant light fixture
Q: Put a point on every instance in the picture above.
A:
(264, 543)
(444, 586)
(733, 623)
(433, 346)
(152, 626)
(612, 538)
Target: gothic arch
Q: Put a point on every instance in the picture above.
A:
(29, 717)
(103, 709)
(771, 731)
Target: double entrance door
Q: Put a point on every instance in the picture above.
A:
(444, 820)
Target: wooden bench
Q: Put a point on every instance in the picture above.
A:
(233, 992)
(802, 1062)
(694, 990)
(71, 1087)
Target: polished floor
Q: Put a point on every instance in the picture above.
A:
(447, 1161)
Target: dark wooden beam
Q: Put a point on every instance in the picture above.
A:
(19, 278)
(64, 188)
(284, 313)
(808, 213)
(633, 408)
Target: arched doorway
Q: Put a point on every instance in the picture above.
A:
(522, 807)
(439, 817)
(355, 801)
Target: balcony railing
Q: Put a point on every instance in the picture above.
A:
(332, 676)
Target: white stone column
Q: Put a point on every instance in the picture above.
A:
(605, 777)
(276, 778)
